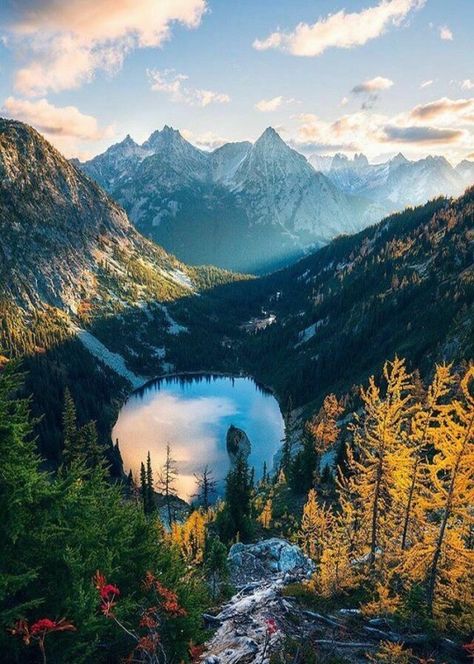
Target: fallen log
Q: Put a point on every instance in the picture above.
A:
(343, 644)
(321, 618)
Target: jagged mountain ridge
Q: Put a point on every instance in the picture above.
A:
(244, 207)
(398, 182)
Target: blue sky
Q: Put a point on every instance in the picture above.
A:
(349, 78)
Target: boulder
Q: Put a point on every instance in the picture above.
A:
(238, 444)
(267, 559)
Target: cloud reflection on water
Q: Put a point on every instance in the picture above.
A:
(193, 417)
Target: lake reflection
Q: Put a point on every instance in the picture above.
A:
(192, 414)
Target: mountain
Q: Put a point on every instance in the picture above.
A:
(398, 182)
(68, 252)
(465, 168)
(244, 207)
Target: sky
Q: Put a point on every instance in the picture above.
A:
(372, 76)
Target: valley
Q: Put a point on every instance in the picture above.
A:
(95, 311)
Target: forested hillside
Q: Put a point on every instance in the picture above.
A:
(403, 286)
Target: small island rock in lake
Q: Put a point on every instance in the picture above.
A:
(238, 444)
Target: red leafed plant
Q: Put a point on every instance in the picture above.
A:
(164, 604)
(271, 628)
(37, 632)
(469, 648)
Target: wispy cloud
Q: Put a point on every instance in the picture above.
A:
(340, 30)
(445, 33)
(175, 86)
(417, 134)
(270, 105)
(372, 85)
(65, 43)
(426, 84)
(371, 89)
(467, 84)
(62, 125)
(444, 107)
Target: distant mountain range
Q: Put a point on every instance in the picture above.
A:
(398, 182)
(255, 207)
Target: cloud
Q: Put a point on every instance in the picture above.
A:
(416, 134)
(270, 105)
(367, 131)
(372, 85)
(175, 87)
(467, 84)
(340, 30)
(64, 126)
(207, 140)
(65, 43)
(370, 89)
(443, 107)
(426, 84)
(445, 33)
(55, 120)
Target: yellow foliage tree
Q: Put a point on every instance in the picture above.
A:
(190, 536)
(265, 517)
(315, 525)
(323, 427)
(379, 437)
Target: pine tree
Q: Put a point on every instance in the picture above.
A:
(216, 565)
(207, 487)
(71, 448)
(167, 483)
(89, 444)
(150, 486)
(144, 488)
(235, 521)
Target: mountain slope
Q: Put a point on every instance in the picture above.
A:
(66, 247)
(252, 208)
(403, 286)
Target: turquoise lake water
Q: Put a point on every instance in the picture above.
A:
(193, 413)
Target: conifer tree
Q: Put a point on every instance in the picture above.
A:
(265, 517)
(315, 525)
(410, 475)
(144, 488)
(207, 487)
(234, 521)
(89, 445)
(167, 483)
(379, 438)
(451, 490)
(150, 487)
(71, 449)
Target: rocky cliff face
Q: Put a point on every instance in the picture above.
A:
(61, 236)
